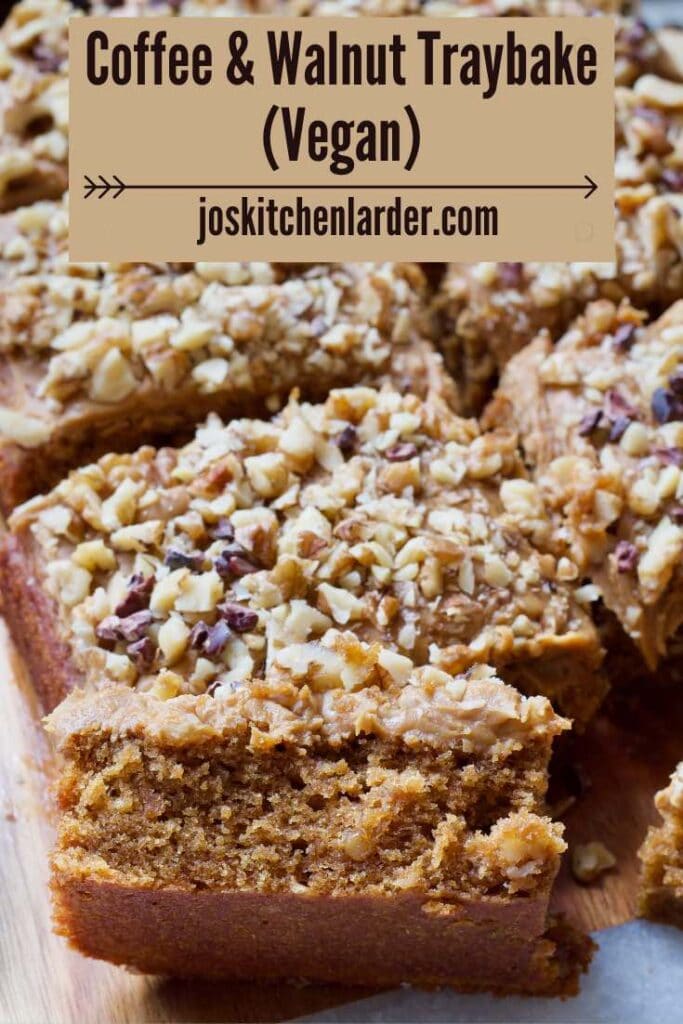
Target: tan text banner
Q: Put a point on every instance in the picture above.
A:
(342, 139)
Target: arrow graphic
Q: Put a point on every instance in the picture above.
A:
(105, 187)
(114, 188)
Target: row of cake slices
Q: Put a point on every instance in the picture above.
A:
(92, 353)
(359, 562)
(200, 582)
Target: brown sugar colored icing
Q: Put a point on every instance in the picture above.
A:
(177, 569)
(96, 359)
(601, 425)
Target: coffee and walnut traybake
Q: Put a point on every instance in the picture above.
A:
(101, 358)
(302, 666)
(346, 818)
(490, 311)
(172, 570)
(600, 417)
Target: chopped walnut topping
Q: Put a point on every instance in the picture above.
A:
(488, 312)
(615, 491)
(449, 567)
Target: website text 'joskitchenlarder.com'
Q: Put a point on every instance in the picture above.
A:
(392, 217)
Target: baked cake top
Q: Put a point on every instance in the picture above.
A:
(175, 570)
(330, 690)
(603, 424)
(103, 335)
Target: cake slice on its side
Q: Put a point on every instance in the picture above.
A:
(348, 818)
(661, 896)
(600, 419)
(104, 359)
(173, 569)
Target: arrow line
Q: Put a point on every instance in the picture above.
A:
(105, 187)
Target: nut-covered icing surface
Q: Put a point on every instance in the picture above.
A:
(490, 311)
(81, 338)
(332, 690)
(34, 101)
(177, 570)
(600, 417)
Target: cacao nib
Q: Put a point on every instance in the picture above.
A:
(217, 639)
(624, 336)
(636, 32)
(616, 405)
(211, 640)
(199, 635)
(46, 59)
(139, 592)
(223, 530)
(590, 422)
(142, 653)
(176, 559)
(510, 274)
(652, 116)
(665, 406)
(239, 618)
(234, 561)
(133, 627)
(626, 555)
(107, 631)
(130, 628)
(672, 178)
(618, 427)
(347, 439)
(676, 383)
(670, 456)
(401, 452)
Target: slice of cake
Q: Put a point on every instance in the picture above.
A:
(489, 311)
(100, 358)
(347, 818)
(176, 570)
(661, 895)
(600, 417)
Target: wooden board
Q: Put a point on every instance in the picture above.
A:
(620, 764)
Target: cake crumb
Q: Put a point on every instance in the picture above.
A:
(590, 860)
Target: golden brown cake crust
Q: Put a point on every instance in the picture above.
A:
(349, 940)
